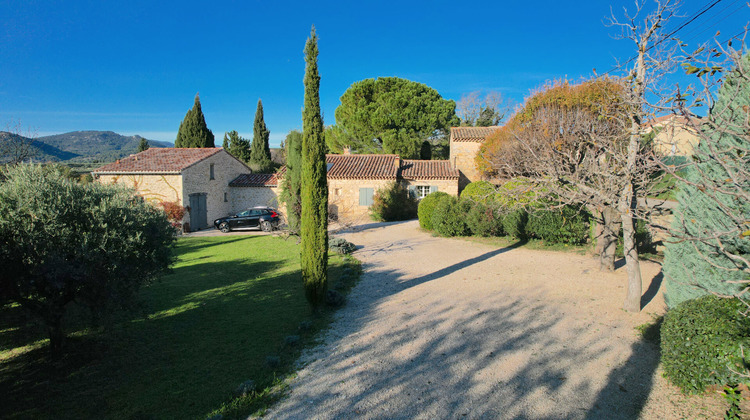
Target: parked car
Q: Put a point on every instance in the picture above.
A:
(265, 218)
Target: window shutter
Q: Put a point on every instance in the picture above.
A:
(365, 196)
(433, 188)
(412, 191)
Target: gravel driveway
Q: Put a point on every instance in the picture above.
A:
(448, 329)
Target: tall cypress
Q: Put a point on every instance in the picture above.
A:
(314, 219)
(143, 145)
(260, 152)
(291, 183)
(193, 131)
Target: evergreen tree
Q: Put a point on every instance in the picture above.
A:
(260, 152)
(237, 146)
(291, 183)
(425, 153)
(193, 131)
(143, 145)
(709, 228)
(314, 220)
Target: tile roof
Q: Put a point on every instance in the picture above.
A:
(427, 169)
(363, 166)
(159, 160)
(256, 180)
(476, 134)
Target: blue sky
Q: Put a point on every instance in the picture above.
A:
(134, 67)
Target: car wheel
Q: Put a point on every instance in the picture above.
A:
(224, 227)
(266, 226)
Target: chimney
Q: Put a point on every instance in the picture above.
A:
(347, 150)
(398, 162)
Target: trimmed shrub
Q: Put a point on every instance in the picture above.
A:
(566, 225)
(702, 341)
(485, 220)
(514, 223)
(427, 207)
(393, 203)
(341, 246)
(517, 192)
(479, 192)
(449, 216)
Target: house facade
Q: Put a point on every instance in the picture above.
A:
(674, 137)
(464, 146)
(196, 178)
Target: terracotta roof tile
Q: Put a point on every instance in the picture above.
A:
(427, 169)
(476, 134)
(256, 180)
(159, 160)
(363, 166)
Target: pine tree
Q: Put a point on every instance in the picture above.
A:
(143, 145)
(712, 212)
(291, 183)
(260, 152)
(237, 146)
(314, 220)
(193, 131)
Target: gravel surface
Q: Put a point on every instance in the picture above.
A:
(443, 328)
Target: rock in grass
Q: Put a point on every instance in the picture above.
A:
(246, 388)
(273, 361)
(334, 298)
(291, 340)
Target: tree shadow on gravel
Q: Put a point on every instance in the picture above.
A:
(444, 352)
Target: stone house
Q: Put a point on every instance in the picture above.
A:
(196, 178)
(464, 146)
(674, 137)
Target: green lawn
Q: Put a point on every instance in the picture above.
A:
(201, 331)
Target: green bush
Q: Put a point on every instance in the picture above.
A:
(514, 223)
(449, 216)
(485, 220)
(426, 208)
(517, 193)
(479, 192)
(393, 203)
(566, 225)
(702, 342)
(341, 246)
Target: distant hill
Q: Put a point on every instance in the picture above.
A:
(84, 146)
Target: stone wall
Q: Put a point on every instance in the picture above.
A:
(462, 154)
(343, 198)
(154, 188)
(245, 197)
(197, 180)
(448, 186)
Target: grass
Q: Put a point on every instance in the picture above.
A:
(199, 332)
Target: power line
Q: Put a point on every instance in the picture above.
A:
(692, 19)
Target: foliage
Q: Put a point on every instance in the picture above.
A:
(479, 192)
(643, 241)
(564, 225)
(427, 207)
(175, 212)
(514, 223)
(222, 308)
(702, 341)
(62, 241)
(143, 145)
(425, 152)
(519, 192)
(341, 246)
(711, 245)
(474, 110)
(237, 146)
(393, 115)
(314, 215)
(392, 203)
(193, 131)
(338, 139)
(260, 152)
(484, 220)
(292, 180)
(449, 217)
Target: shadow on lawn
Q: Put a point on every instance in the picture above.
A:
(203, 329)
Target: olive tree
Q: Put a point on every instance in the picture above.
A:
(63, 242)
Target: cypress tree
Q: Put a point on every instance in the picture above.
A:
(291, 184)
(694, 267)
(314, 219)
(143, 145)
(193, 131)
(260, 152)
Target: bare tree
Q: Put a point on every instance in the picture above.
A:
(488, 110)
(16, 145)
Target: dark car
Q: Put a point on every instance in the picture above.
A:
(266, 218)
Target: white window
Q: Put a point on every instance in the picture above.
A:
(422, 191)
